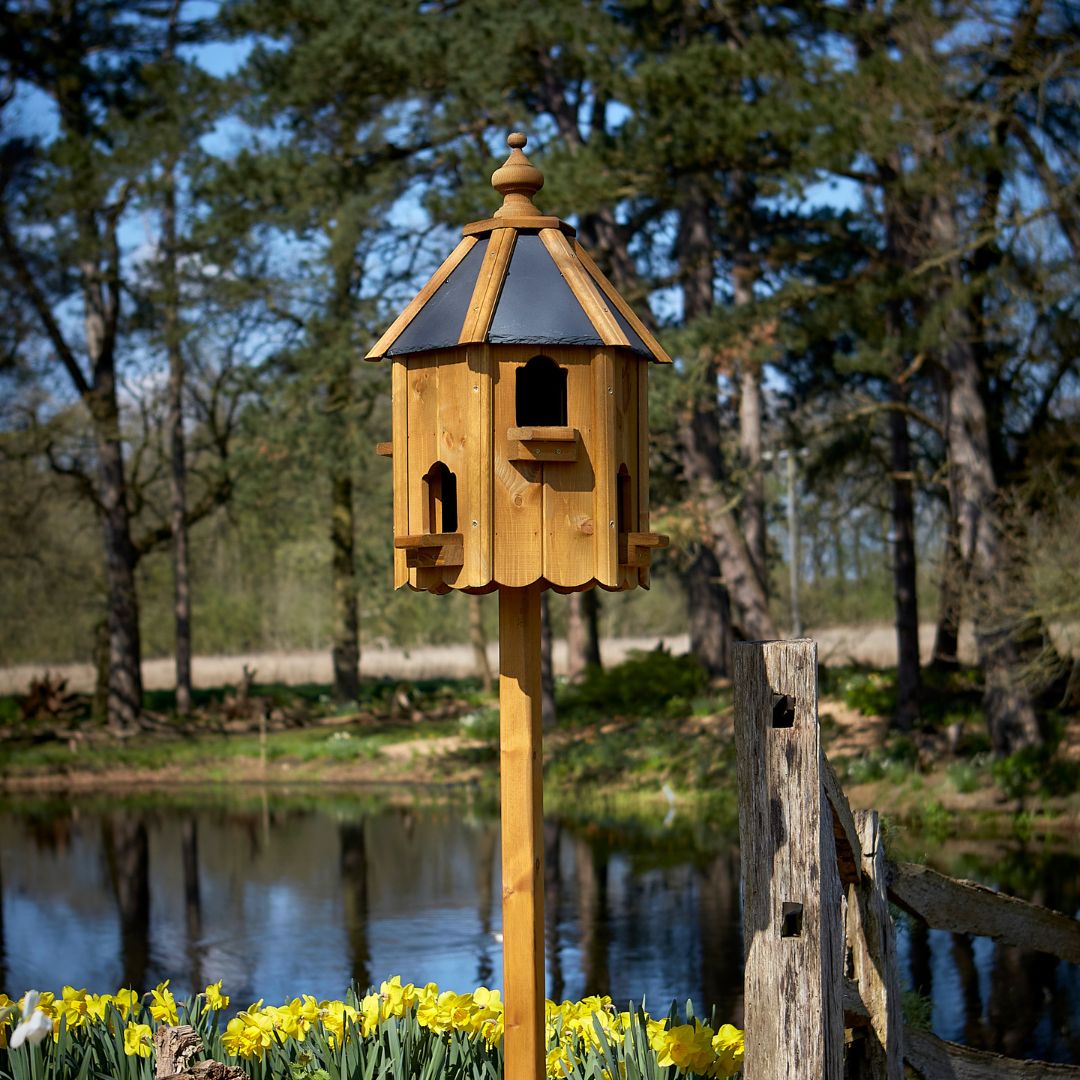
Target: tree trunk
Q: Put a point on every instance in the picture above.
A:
(125, 654)
(973, 488)
(547, 665)
(478, 640)
(708, 609)
(908, 683)
(346, 648)
(699, 444)
(947, 633)
(175, 427)
(576, 662)
(743, 275)
(1010, 715)
(590, 610)
(175, 420)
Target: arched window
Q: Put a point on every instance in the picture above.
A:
(440, 486)
(541, 394)
(624, 507)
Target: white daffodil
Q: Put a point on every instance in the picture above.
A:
(34, 1025)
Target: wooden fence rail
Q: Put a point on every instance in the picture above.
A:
(820, 942)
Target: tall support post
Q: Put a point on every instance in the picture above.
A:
(521, 787)
(792, 918)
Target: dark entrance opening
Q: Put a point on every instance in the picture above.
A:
(541, 394)
(623, 497)
(440, 485)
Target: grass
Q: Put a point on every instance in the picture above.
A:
(648, 737)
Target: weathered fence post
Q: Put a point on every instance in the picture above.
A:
(872, 941)
(792, 920)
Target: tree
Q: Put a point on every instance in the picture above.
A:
(329, 159)
(62, 205)
(65, 200)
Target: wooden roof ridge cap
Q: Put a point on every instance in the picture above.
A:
(520, 224)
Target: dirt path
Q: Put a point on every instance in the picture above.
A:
(872, 643)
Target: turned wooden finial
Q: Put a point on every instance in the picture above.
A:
(517, 180)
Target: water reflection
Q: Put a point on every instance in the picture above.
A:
(281, 897)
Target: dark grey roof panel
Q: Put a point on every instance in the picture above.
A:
(438, 323)
(636, 344)
(537, 306)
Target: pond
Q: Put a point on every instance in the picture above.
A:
(283, 895)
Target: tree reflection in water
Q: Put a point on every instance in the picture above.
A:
(281, 897)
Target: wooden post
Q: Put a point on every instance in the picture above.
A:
(792, 920)
(872, 941)
(521, 786)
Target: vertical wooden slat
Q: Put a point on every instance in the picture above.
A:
(422, 380)
(626, 447)
(872, 940)
(517, 489)
(478, 558)
(455, 399)
(643, 457)
(792, 898)
(604, 467)
(399, 410)
(522, 797)
(569, 527)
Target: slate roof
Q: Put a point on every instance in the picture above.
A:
(520, 279)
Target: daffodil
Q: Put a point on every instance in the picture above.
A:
(335, 1015)
(125, 1001)
(215, 999)
(295, 1018)
(249, 1034)
(138, 1040)
(728, 1045)
(96, 1004)
(687, 1046)
(72, 1007)
(163, 1004)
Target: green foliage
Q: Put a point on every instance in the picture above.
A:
(646, 684)
(1036, 771)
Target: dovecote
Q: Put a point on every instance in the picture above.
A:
(520, 412)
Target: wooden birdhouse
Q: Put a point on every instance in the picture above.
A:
(520, 412)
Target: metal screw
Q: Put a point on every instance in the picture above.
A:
(474, 524)
(611, 390)
(611, 524)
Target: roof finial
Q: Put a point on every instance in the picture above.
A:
(517, 180)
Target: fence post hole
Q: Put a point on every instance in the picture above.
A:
(872, 941)
(792, 919)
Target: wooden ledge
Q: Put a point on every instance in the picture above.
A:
(547, 444)
(432, 549)
(539, 221)
(542, 434)
(384, 449)
(635, 548)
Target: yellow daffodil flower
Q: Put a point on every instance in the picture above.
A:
(125, 1001)
(215, 999)
(163, 1004)
(138, 1040)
